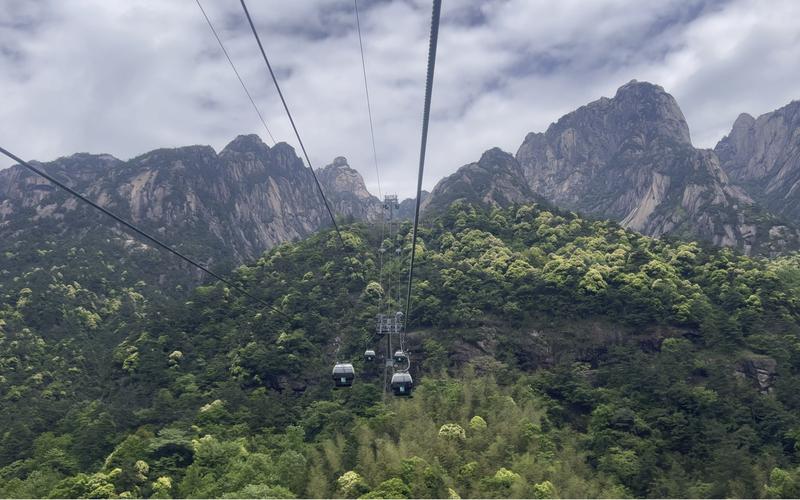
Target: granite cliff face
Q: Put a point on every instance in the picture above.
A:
(408, 206)
(593, 150)
(630, 158)
(763, 155)
(345, 189)
(229, 206)
(496, 179)
(221, 208)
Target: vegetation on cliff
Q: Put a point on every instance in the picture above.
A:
(558, 357)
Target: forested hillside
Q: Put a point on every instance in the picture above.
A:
(555, 356)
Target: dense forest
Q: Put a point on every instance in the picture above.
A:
(554, 357)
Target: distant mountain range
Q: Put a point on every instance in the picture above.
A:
(222, 208)
(763, 156)
(628, 158)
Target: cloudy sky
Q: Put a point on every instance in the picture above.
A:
(127, 76)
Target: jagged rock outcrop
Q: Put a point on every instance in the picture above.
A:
(496, 179)
(345, 189)
(221, 209)
(408, 206)
(630, 158)
(763, 155)
(229, 206)
(760, 370)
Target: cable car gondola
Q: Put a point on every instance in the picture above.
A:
(402, 384)
(369, 355)
(400, 357)
(343, 374)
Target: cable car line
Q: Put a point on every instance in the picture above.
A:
(291, 120)
(402, 383)
(437, 7)
(369, 106)
(233, 66)
(381, 249)
(140, 232)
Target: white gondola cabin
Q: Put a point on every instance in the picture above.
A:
(343, 374)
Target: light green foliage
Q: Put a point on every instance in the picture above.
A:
(98, 485)
(783, 483)
(623, 463)
(391, 488)
(602, 361)
(373, 291)
(162, 487)
(505, 477)
(452, 432)
(351, 484)
(594, 280)
(215, 406)
(545, 489)
(261, 491)
(88, 319)
(175, 357)
(222, 467)
(477, 423)
(24, 298)
(130, 363)
(142, 470)
(291, 469)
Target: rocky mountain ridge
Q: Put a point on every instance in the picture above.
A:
(497, 179)
(233, 204)
(347, 192)
(763, 155)
(630, 159)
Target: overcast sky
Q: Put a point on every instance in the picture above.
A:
(127, 76)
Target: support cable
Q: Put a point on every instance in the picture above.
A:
(437, 7)
(140, 232)
(369, 105)
(398, 251)
(233, 66)
(381, 251)
(291, 120)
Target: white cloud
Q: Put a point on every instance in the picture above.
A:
(126, 77)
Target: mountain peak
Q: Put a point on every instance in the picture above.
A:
(647, 108)
(763, 154)
(496, 180)
(249, 143)
(630, 158)
(494, 154)
(100, 157)
(635, 86)
(339, 161)
(339, 176)
(744, 120)
(347, 192)
(639, 112)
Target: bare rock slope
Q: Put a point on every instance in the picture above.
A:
(496, 179)
(763, 155)
(228, 206)
(630, 158)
